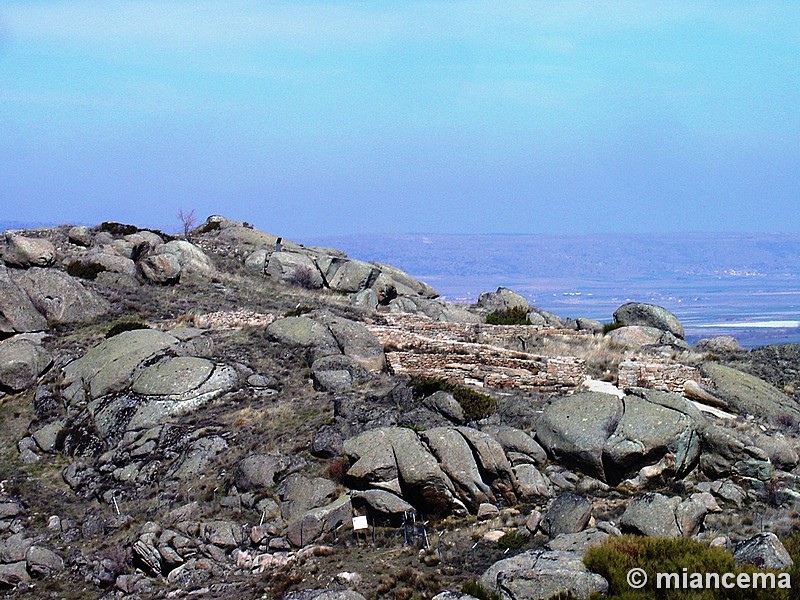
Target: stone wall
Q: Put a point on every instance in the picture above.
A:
(495, 370)
(474, 354)
(668, 377)
(494, 356)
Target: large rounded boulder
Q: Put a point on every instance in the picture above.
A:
(24, 252)
(59, 297)
(615, 438)
(17, 312)
(649, 315)
(502, 299)
(21, 362)
(574, 429)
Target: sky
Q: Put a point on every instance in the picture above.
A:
(323, 118)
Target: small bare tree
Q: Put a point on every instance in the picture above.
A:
(188, 220)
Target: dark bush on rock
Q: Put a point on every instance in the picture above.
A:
(512, 540)
(516, 315)
(115, 228)
(128, 325)
(609, 327)
(121, 229)
(84, 271)
(476, 590)
(337, 468)
(476, 405)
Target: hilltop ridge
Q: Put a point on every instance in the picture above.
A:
(206, 414)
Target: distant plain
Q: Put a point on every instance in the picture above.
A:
(744, 285)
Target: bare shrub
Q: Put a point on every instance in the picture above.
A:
(188, 221)
(303, 277)
(337, 468)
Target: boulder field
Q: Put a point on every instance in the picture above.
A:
(221, 414)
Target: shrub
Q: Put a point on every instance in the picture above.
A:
(121, 229)
(512, 540)
(772, 494)
(128, 325)
(188, 221)
(609, 327)
(337, 468)
(85, 271)
(787, 421)
(476, 405)
(302, 277)
(616, 556)
(516, 315)
(115, 228)
(476, 590)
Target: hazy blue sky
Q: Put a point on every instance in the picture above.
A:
(311, 118)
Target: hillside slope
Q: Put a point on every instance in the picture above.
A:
(206, 417)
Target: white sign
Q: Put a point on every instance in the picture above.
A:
(360, 523)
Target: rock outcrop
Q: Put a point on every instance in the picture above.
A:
(749, 395)
(649, 315)
(190, 438)
(22, 360)
(502, 299)
(542, 574)
(615, 438)
(25, 252)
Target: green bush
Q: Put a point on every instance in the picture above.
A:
(516, 315)
(616, 556)
(609, 327)
(476, 405)
(85, 271)
(513, 540)
(127, 325)
(476, 590)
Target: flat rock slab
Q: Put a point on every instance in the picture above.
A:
(302, 331)
(173, 376)
(541, 574)
(109, 365)
(383, 502)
